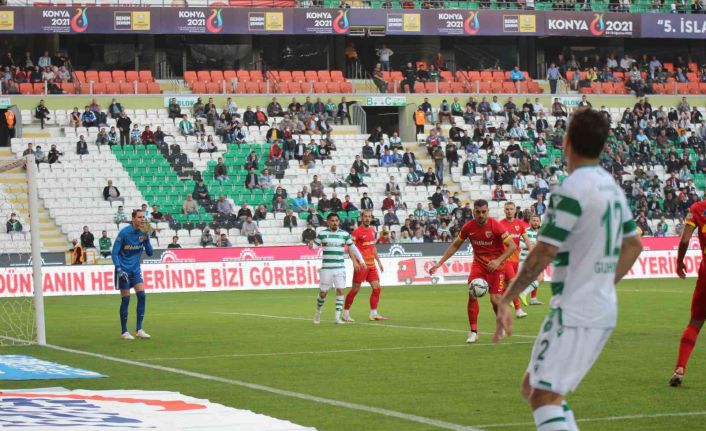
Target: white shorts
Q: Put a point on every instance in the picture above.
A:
(563, 355)
(329, 278)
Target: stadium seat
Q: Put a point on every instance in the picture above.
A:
(256, 75)
(26, 88)
(509, 87)
(38, 88)
(485, 87)
(105, 76)
(68, 87)
(190, 76)
(100, 88)
(146, 76)
(119, 76)
(125, 88)
(131, 76)
(320, 87)
(252, 87)
(496, 87)
(444, 87)
(154, 88)
(311, 75)
(473, 75)
(142, 88)
(198, 87)
(337, 75)
(91, 75)
(214, 87)
(229, 75)
(429, 87)
(498, 76)
(457, 87)
(298, 75)
(486, 75)
(217, 76)
(203, 75)
(285, 76)
(79, 75)
(333, 87)
(324, 76)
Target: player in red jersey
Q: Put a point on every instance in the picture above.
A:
(492, 246)
(365, 238)
(695, 220)
(516, 228)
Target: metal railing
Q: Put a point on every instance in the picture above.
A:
(358, 117)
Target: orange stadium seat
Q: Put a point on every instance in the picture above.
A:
(496, 87)
(203, 75)
(346, 87)
(337, 75)
(230, 74)
(485, 87)
(324, 75)
(198, 87)
(100, 88)
(190, 76)
(311, 75)
(486, 75)
(320, 87)
(461, 75)
(154, 88)
(429, 87)
(131, 75)
(498, 76)
(125, 88)
(214, 87)
(80, 75)
(446, 75)
(91, 75)
(702, 87)
(298, 75)
(217, 76)
(105, 76)
(509, 87)
(333, 87)
(146, 76)
(693, 87)
(141, 88)
(68, 87)
(457, 87)
(285, 76)
(26, 88)
(256, 75)
(38, 88)
(119, 76)
(682, 88)
(669, 67)
(473, 75)
(251, 87)
(444, 87)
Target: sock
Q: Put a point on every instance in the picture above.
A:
(349, 299)
(534, 287)
(516, 303)
(374, 300)
(569, 414)
(141, 304)
(473, 309)
(339, 306)
(319, 302)
(686, 346)
(550, 418)
(124, 302)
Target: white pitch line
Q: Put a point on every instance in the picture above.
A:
(604, 419)
(378, 325)
(323, 352)
(285, 393)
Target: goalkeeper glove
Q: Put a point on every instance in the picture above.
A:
(122, 276)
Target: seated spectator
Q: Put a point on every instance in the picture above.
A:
(390, 218)
(445, 112)
(519, 185)
(120, 217)
(186, 127)
(429, 178)
(88, 118)
(105, 245)
(516, 75)
(251, 231)
(539, 207)
(335, 180)
(220, 171)
(189, 206)
(147, 136)
(13, 225)
(251, 180)
(300, 203)
(87, 238)
(308, 234)
(201, 191)
(223, 241)
(354, 179)
(78, 256)
(388, 202)
(347, 205)
(266, 179)
(260, 213)
(413, 178)
(499, 194)
(135, 135)
(558, 109)
(224, 206)
(290, 220)
(279, 205)
(111, 193)
(244, 212)
(81, 146)
(206, 238)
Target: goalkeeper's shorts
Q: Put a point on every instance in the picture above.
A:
(134, 278)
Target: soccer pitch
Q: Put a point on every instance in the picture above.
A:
(258, 350)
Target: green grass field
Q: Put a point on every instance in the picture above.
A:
(414, 364)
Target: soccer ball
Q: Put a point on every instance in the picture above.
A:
(477, 287)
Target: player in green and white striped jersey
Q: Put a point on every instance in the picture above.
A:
(333, 269)
(532, 233)
(591, 240)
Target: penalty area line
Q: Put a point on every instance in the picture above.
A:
(281, 392)
(323, 352)
(376, 324)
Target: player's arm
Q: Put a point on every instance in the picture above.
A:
(377, 259)
(689, 228)
(526, 239)
(148, 246)
(510, 248)
(630, 251)
(356, 257)
(115, 252)
(453, 248)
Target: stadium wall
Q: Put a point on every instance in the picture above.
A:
(204, 270)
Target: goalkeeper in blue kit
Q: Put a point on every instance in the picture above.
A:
(126, 254)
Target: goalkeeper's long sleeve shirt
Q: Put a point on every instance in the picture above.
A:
(128, 247)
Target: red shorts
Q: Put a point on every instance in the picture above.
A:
(511, 269)
(369, 274)
(495, 279)
(698, 299)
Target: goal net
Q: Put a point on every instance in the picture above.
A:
(18, 317)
